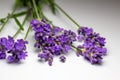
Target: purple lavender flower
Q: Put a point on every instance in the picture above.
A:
(93, 47)
(62, 58)
(2, 55)
(54, 40)
(80, 38)
(91, 53)
(34, 24)
(50, 60)
(57, 30)
(85, 31)
(10, 43)
(57, 50)
(3, 49)
(46, 56)
(18, 51)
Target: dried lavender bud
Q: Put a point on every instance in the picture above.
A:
(62, 58)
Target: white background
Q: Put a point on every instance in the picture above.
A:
(102, 15)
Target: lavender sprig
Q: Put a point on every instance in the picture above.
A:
(93, 47)
(18, 51)
(13, 51)
(9, 15)
(52, 40)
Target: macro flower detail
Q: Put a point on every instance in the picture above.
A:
(46, 56)
(18, 51)
(62, 58)
(93, 46)
(10, 43)
(52, 40)
(3, 49)
(2, 55)
(13, 51)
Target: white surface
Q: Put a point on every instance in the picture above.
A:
(102, 15)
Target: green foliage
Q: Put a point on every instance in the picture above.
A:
(18, 23)
(39, 3)
(52, 5)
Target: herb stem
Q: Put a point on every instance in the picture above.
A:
(36, 10)
(16, 14)
(22, 25)
(27, 32)
(9, 15)
(67, 15)
(76, 48)
(43, 16)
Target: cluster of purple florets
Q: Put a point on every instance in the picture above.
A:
(52, 40)
(11, 50)
(55, 41)
(93, 45)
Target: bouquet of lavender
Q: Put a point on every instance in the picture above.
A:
(51, 40)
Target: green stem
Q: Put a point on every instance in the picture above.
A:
(46, 18)
(30, 20)
(36, 10)
(22, 25)
(27, 32)
(16, 14)
(17, 33)
(67, 15)
(40, 11)
(76, 48)
(43, 16)
(9, 15)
